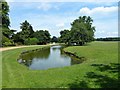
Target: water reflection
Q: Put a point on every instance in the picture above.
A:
(48, 58)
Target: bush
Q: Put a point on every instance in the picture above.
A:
(31, 41)
(8, 44)
(6, 41)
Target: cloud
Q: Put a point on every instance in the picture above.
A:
(105, 20)
(60, 25)
(106, 28)
(98, 10)
(44, 6)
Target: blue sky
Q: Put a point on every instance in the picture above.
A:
(57, 16)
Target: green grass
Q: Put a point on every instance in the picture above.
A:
(16, 75)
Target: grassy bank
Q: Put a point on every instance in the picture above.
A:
(99, 55)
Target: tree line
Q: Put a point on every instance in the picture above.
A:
(30, 37)
(108, 39)
(81, 32)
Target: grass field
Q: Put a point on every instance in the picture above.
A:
(99, 70)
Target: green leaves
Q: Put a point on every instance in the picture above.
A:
(81, 31)
(42, 36)
(31, 41)
(4, 12)
(27, 30)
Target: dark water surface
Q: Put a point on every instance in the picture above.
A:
(48, 58)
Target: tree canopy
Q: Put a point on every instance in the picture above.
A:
(42, 36)
(27, 30)
(54, 39)
(81, 31)
(4, 26)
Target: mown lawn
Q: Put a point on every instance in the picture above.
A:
(99, 70)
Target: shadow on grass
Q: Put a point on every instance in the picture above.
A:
(109, 80)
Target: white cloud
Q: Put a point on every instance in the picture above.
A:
(98, 10)
(60, 25)
(106, 28)
(105, 20)
(45, 6)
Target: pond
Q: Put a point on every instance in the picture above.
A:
(49, 58)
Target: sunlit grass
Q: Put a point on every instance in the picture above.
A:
(16, 75)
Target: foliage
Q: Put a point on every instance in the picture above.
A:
(18, 38)
(65, 36)
(108, 39)
(28, 36)
(54, 39)
(6, 41)
(27, 30)
(4, 12)
(6, 32)
(5, 16)
(42, 36)
(81, 31)
(31, 41)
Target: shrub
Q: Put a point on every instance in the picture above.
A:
(31, 41)
(6, 41)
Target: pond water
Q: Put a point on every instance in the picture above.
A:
(49, 58)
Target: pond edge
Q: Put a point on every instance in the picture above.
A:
(73, 54)
(33, 50)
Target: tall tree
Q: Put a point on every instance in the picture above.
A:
(4, 12)
(27, 30)
(5, 23)
(82, 30)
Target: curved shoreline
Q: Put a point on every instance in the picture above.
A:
(73, 55)
(27, 51)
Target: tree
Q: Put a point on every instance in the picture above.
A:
(27, 30)
(4, 26)
(65, 36)
(47, 36)
(42, 36)
(17, 38)
(5, 16)
(54, 39)
(4, 12)
(82, 30)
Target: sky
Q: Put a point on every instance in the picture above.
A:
(56, 16)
